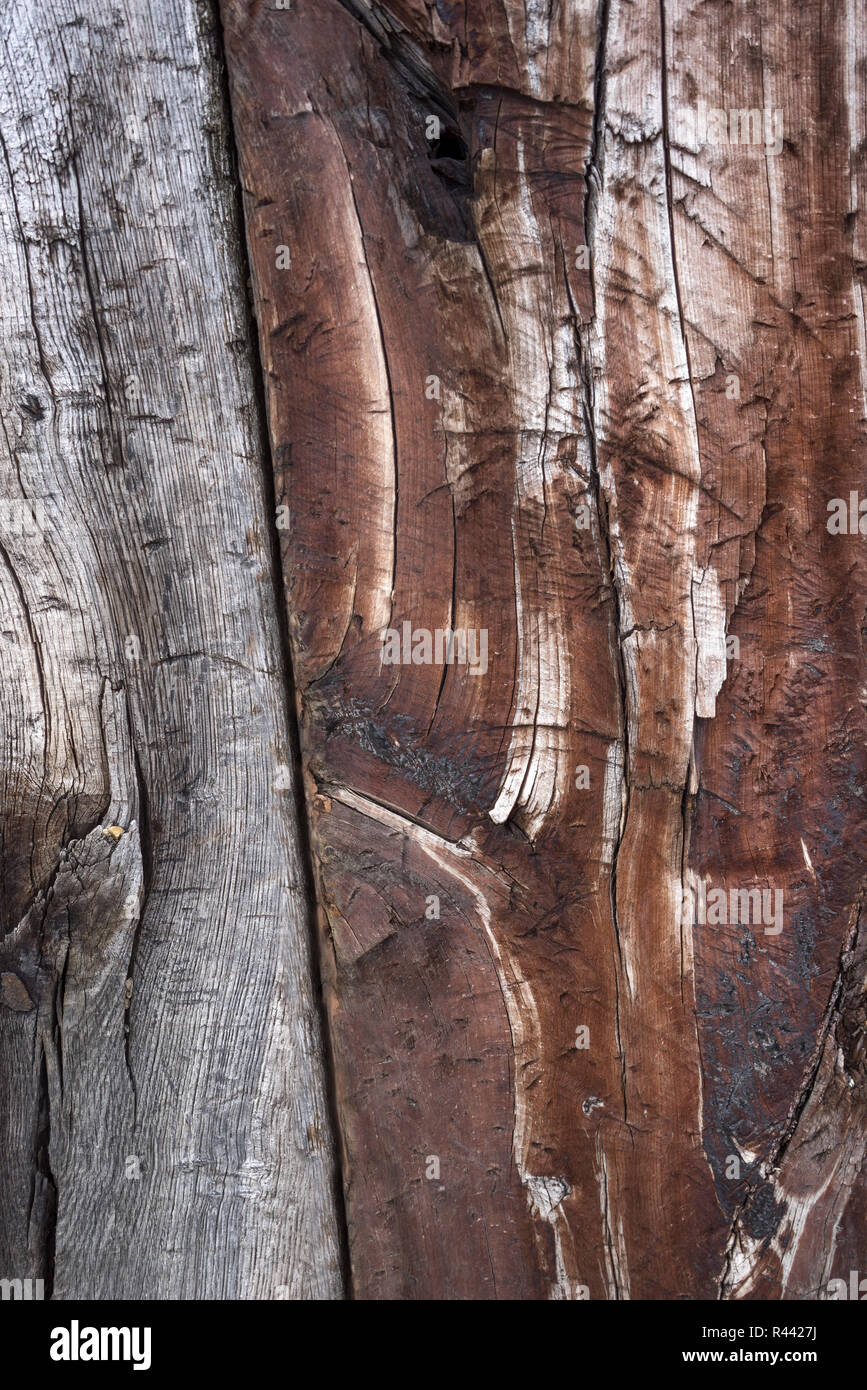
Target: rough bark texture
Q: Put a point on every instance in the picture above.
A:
(626, 458)
(162, 1113)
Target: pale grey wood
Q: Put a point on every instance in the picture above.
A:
(161, 1071)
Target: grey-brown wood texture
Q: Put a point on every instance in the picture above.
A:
(561, 321)
(162, 1106)
(561, 341)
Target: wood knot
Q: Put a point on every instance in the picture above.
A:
(14, 993)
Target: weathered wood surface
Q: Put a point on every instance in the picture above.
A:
(622, 466)
(162, 1108)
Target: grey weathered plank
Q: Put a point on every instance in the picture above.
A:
(158, 1014)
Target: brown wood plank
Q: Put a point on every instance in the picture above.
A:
(163, 1125)
(619, 464)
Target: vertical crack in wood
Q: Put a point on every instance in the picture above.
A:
(847, 993)
(42, 1212)
(25, 247)
(145, 828)
(688, 798)
(593, 176)
(115, 439)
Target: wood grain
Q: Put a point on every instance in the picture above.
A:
(577, 378)
(164, 1122)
